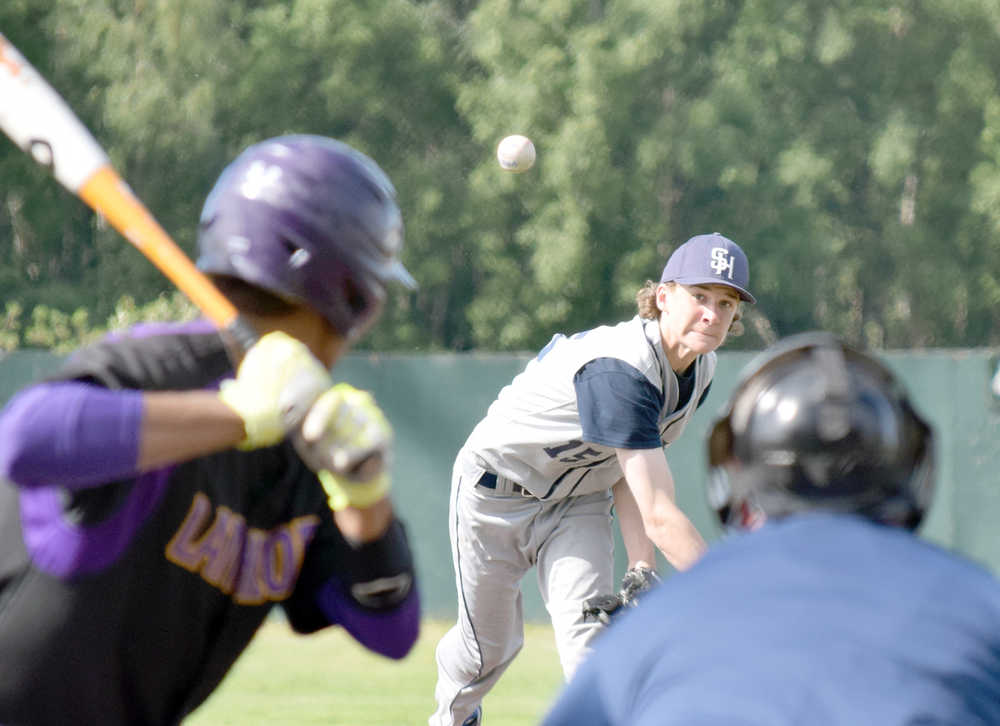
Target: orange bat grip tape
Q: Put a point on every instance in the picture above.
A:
(107, 193)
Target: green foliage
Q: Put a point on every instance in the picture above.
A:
(10, 327)
(56, 330)
(164, 308)
(850, 148)
(62, 331)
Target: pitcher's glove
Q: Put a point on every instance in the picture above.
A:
(602, 607)
(636, 582)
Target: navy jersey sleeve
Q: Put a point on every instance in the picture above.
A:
(618, 406)
(704, 394)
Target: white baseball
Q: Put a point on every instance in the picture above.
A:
(516, 153)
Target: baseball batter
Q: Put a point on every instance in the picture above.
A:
(150, 518)
(582, 428)
(824, 608)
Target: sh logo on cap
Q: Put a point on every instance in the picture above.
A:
(710, 259)
(722, 261)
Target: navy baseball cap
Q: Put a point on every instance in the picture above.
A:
(710, 259)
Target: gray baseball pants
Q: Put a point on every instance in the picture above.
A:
(496, 537)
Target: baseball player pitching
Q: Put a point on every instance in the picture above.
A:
(581, 430)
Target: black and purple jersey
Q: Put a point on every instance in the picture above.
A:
(125, 597)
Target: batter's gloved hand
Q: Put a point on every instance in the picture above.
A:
(347, 441)
(276, 383)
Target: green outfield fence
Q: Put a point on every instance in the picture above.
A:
(435, 400)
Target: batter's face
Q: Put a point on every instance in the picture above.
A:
(694, 319)
(308, 326)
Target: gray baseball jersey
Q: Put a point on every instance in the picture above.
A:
(554, 429)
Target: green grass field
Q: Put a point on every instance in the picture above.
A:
(327, 678)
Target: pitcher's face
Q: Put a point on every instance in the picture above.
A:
(696, 318)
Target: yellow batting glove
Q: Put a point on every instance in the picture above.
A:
(341, 492)
(276, 383)
(347, 441)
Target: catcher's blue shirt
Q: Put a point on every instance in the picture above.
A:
(819, 619)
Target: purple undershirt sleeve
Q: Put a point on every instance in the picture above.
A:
(70, 434)
(391, 633)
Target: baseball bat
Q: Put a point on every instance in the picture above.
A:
(40, 122)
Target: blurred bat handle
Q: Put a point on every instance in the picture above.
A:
(240, 335)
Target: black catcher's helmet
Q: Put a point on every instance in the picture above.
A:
(817, 425)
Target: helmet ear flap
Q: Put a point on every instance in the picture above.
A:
(720, 488)
(361, 303)
(357, 302)
(720, 442)
(920, 486)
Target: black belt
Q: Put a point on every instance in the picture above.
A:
(489, 481)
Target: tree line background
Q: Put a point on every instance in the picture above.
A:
(852, 147)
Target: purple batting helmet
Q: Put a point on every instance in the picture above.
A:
(311, 220)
